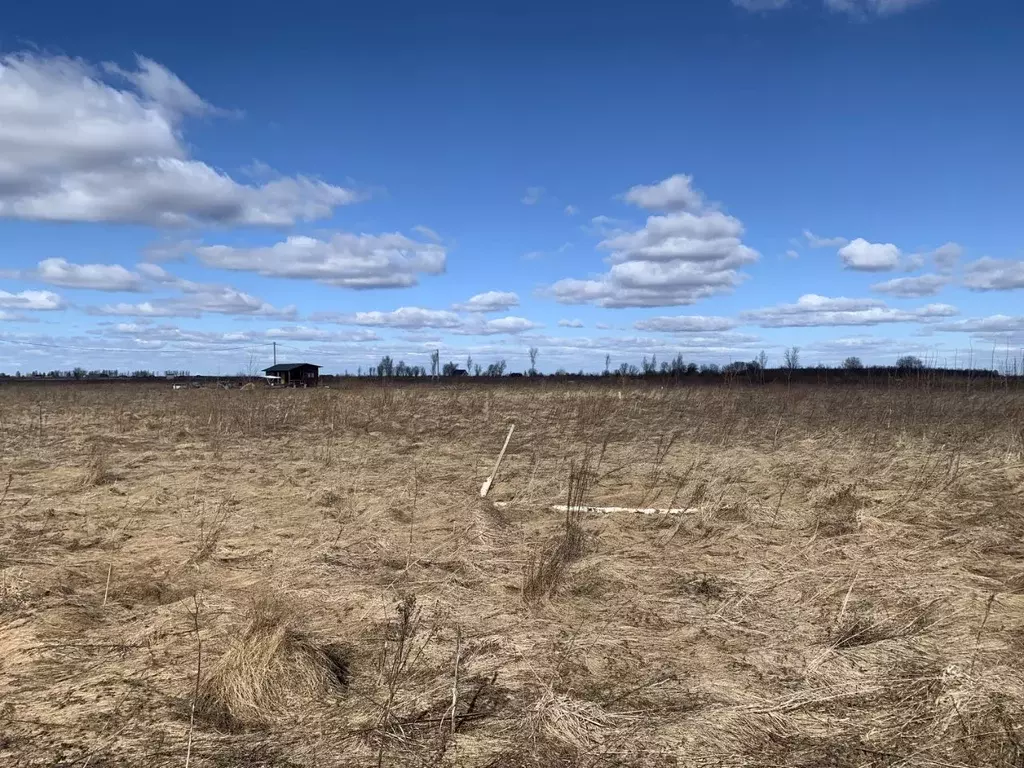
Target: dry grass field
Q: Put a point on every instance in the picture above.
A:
(310, 578)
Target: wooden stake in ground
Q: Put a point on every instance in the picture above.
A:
(487, 483)
(106, 590)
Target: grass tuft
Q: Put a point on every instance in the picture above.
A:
(270, 667)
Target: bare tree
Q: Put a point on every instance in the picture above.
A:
(435, 362)
(607, 364)
(852, 363)
(533, 361)
(791, 359)
(469, 364)
(762, 360)
(252, 367)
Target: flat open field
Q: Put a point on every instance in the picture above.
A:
(310, 578)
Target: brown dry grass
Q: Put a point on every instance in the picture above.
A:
(309, 578)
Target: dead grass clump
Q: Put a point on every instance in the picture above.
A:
(979, 718)
(269, 667)
(572, 723)
(839, 513)
(210, 528)
(700, 585)
(147, 584)
(327, 497)
(863, 625)
(97, 471)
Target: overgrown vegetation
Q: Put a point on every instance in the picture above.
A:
(310, 578)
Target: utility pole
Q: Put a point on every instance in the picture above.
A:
(275, 352)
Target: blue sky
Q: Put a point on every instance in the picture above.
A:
(182, 185)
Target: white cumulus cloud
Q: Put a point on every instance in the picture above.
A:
(566, 323)
(79, 143)
(990, 274)
(220, 300)
(676, 193)
(947, 256)
(870, 257)
(403, 317)
(491, 301)
(675, 259)
(509, 325)
(812, 310)
(345, 260)
(98, 277)
(686, 324)
(910, 287)
(31, 300)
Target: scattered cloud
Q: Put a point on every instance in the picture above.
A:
(996, 324)
(192, 339)
(947, 256)
(791, 254)
(418, 318)
(912, 287)
(167, 249)
(571, 210)
(710, 347)
(345, 260)
(306, 333)
(676, 193)
(404, 317)
(533, 195)
(427, 232)
(509, 325)
(675, 259)
(84, 144)
(761, 5)
(604, 226)
(491, 301)
(563, 323)
(220, 300)
(812, 310)
(534, 255)
(990, 274)
(686, 324)
(870, 257)
(37, 301)
(872, 7)
(1002, 331)
(813, 241)
(97, 277)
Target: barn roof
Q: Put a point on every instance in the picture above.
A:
(286, 367)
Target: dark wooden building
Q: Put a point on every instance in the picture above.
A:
(295, 374)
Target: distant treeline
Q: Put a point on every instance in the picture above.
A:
(755, 372)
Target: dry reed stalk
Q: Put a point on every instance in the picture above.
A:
(545, 573)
